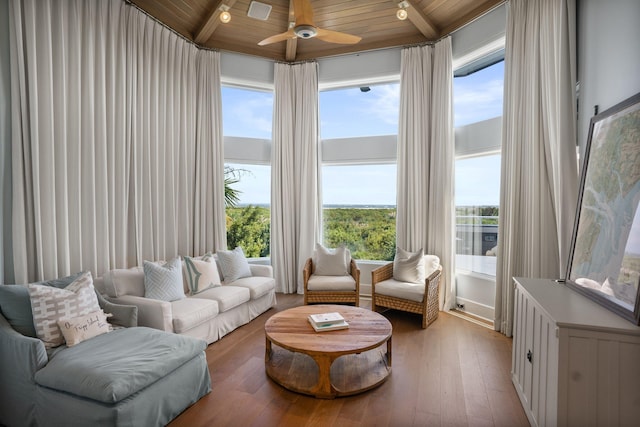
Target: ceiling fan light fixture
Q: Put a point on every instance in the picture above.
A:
(305, 31)
(225, 16)
(401, 14)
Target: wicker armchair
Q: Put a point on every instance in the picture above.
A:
(427, 307)
(336, 292)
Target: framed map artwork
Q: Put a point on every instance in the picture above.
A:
(604, 263)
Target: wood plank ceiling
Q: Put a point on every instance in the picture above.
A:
(374, 21)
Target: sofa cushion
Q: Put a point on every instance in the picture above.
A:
(114, 366)
(331, 283)
(50, 304)
(191, 312)
(163, 282)
(124, 281)
(81, 328)
(404, 290)
(200, 273)
(257, 285)
(228, 296)
(234, 265)
(15, 303)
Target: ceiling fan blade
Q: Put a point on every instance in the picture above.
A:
(337, 37)
(278, 38)
(303, 11)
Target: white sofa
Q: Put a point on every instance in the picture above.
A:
(208, 315)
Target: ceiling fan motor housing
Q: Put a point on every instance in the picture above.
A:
(305, 31)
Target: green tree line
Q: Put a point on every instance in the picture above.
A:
(368, 233)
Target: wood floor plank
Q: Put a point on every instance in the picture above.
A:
(454, 373)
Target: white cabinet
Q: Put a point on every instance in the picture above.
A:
(575, 363)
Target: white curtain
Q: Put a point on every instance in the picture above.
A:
(539, 168)
(425, 201)
(295, 205)
(104, 138)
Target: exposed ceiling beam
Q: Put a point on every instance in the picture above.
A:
(211, 22)
(292, 44)
(420, 20)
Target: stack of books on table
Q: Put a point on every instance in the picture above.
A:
(327, 322)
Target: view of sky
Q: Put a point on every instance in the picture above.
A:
(351, 112)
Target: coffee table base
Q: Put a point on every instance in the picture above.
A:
(325, 378)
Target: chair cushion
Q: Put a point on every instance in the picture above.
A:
(431, 264)
(191, 312)
(257, 285)
(331, 283)
(409, 266)
(331, 262)
(50, 304)
(404, 290)
(227, 296)
(15, 303)
(114, 366)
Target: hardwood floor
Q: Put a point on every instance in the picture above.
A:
(454, 373)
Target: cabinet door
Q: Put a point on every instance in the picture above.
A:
(535, 357)
(522, 339)
(544, 369)
(600, 377)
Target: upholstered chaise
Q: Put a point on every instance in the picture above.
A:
(128, 377)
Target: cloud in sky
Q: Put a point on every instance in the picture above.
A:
(247, 113)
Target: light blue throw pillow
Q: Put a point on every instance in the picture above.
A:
(163, 282)
(234, 265)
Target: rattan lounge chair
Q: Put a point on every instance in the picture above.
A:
(388, 294)
(331, 289)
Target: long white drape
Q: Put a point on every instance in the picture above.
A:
(295, 205)
(539, 169)
(113, 139)
(426, 158)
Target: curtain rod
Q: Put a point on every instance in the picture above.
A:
(182, 36)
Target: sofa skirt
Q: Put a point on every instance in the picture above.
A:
(155, 405)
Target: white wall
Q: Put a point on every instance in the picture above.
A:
(608, 57)
(6, 265)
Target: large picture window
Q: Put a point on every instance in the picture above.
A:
(478, 111)
(247, 119)
(359, 131)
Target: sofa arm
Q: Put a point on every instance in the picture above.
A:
(261, 270)
(20, 358)
(152, 313)
(121, 315)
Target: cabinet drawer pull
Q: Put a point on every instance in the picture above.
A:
(529, 356)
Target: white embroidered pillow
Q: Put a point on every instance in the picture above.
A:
(49, 304)
(331, 262)
(81, 328)
(200, 273)
(234, 265)
(408, 266)
(163, 282)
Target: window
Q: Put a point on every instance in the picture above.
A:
(359, 131)
(247, 117)
(478, 111)
(359, 209)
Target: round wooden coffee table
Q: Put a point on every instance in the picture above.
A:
(331, 363)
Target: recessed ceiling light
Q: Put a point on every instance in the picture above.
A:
(259, 10)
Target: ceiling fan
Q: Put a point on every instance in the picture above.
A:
(304, 28)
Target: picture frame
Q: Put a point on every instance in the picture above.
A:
(604, 258)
